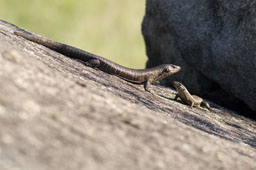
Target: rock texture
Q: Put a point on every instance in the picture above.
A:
(56, 113)
(214, 41)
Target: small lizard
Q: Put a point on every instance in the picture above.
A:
(137, 76)
(184, 95)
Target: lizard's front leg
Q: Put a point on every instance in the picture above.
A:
(176, 96)
(192, 104)
(147, 83)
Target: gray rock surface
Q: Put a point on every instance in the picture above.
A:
(214, 42)
(56, 113)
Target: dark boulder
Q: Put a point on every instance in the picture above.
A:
(214, 41)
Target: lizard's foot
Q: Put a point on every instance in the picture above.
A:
(150, 91)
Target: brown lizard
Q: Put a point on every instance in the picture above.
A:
(137, 76)
(191, 100)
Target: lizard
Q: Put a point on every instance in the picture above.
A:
(136, 76)
(191, 100)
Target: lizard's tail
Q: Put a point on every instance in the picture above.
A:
(64, 49)
(205, 104)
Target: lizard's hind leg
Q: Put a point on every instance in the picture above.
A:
(94, 63)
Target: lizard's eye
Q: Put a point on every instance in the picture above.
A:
(165, 70)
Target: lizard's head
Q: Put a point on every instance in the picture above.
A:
(167, 70)
(178, 86)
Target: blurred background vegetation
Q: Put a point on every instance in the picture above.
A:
(110, 28)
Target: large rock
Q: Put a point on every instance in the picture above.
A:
(214, 41)
(56, 113)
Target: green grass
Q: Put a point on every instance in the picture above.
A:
(109, 28)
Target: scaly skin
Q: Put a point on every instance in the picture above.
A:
(138, 76)
(191, 100)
